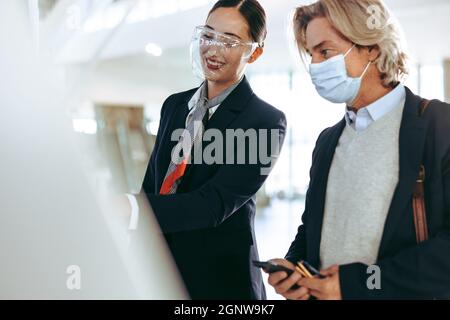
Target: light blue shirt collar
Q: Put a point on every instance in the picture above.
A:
(375, 111)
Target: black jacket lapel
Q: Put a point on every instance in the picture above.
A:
(177, 121)
(232, 106)
(412, 141)
(318, 185)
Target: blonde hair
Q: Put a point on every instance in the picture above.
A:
(366, 23)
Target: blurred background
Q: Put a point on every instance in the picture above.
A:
(118, 60)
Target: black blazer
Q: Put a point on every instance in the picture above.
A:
(408, 270)
(208, 224)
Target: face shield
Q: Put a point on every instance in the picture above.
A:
(212, 51)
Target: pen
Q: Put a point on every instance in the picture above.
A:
(300, 271)
(305, 271)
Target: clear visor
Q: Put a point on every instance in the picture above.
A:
(219, 47)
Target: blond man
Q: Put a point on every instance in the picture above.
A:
(360, 224)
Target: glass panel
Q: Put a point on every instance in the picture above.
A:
(432, 82)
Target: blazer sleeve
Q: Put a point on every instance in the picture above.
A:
(229, 189)
(419, 271)
(297, 250)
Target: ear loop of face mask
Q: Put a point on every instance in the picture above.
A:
(368, 65)
(349, 50)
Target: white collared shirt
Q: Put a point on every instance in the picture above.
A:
(368, 115)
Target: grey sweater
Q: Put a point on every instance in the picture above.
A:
(361, 183)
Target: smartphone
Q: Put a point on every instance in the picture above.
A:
(271, 267)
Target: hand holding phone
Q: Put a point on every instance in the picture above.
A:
(303, 267)
(271, 267)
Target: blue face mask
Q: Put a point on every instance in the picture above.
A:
(332, 81)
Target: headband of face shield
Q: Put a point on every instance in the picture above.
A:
(211, 50)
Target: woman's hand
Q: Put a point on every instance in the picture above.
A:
(283, 284)
(324, 289)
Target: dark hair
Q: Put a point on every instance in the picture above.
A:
(253, 12)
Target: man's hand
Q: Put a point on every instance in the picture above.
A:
(324, 289)
(283, 284)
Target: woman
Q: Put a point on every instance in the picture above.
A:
(363, 222)
(206, 208)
